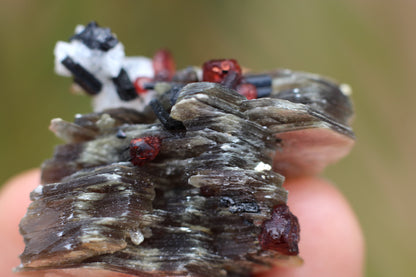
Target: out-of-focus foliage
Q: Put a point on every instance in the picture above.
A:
(368, 44)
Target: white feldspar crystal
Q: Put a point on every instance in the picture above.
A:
(105, 65)
(262, 167)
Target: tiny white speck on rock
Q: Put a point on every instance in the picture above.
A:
(38, 189)
(262, 167)
(136, 236)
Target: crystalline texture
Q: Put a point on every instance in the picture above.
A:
(144, 149)
(82, 77)
(124, 86)
(163, 65)
(216, 70)
(184, 179)
(281, 232)
(206, 195)
(200, 205)
(96, 37)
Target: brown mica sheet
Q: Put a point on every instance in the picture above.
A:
(209, 203)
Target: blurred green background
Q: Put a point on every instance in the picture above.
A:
(368, 44)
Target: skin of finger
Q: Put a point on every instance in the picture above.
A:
(14, 201)
(331, 242)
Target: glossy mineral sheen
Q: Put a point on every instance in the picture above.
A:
(188, 182)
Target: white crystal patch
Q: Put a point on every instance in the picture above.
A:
(262, 167)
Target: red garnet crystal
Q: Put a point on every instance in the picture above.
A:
(139, 84)
(281, 232)
(144, 149)
(163, 65)
(216, 70)
(164, 69)
(248, 90)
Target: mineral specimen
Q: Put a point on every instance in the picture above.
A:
(174, 176)
(144, 149)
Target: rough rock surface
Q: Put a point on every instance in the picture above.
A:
(199, 208)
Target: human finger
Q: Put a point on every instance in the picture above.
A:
(331, 240)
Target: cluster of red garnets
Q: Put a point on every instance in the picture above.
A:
(215, 71)
(163, 67)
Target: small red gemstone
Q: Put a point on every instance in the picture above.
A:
(144, 149)
(281, 232)
(163, 65)
(139, 84)
(248, 90)
(216, 70)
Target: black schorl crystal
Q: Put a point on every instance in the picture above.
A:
(263, 92)
(239, 207)
(262, 82)
(95, 37)
(82, 76)
(173, 93)
(120, 134)
(231, 79)
(164, 117)
(259, 80)
(125, 87)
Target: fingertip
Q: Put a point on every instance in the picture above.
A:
(331, 242)
(14, 200)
